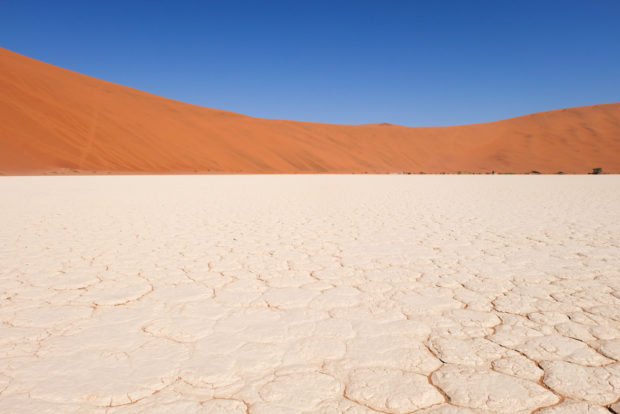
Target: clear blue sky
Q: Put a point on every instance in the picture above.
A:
(405, 62)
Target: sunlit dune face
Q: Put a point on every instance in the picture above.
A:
(57, 121)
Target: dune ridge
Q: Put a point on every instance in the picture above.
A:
(56, 121)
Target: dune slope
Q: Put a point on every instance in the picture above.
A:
(53, 120)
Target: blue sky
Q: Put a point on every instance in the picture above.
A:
(416, 63)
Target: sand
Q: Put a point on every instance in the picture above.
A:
(56, 121)
(314, 294)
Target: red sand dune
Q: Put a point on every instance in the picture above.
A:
(54, 120)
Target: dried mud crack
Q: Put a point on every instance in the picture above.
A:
(310, 294)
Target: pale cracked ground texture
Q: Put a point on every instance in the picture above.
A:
(310, 294)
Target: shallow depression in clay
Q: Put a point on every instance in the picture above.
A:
(286, 294)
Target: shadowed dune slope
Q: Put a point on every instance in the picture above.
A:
(54, 120)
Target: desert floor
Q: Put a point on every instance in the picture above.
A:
(328, 294)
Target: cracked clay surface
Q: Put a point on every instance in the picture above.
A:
(310, 294)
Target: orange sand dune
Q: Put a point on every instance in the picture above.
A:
(54, 120)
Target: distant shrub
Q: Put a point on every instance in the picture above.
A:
(597, 170)
(534, 172)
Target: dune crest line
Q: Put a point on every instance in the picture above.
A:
(47, 117)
